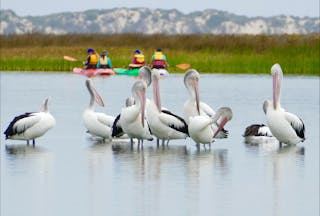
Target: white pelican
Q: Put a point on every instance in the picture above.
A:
(145, 75)
(132, 118)
(116, 127)
(285, 126)
(200, 129)
(97, 123)
(163, 124)
(31, 125)
(193, 106)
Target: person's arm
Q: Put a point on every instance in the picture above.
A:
(87, 61)
(109, 63)
(99, 63)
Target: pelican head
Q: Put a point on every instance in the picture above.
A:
(45, 105)
(191, 81)
(139, 93)
(156, 89)
(94, 94)
(145, 74)
(225, 113)
(277, 76)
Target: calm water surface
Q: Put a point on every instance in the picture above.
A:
(67, 173)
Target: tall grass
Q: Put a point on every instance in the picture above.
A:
(297, 54)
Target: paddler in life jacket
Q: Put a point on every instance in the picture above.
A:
(104, 60)
(158, 60)
(138, 59)
(92, 59)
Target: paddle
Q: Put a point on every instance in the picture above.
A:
(183, 66)
(68, 58)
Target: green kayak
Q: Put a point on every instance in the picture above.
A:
(126, 71)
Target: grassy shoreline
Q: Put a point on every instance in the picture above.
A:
(234, 54)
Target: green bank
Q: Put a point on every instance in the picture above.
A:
(237, 54)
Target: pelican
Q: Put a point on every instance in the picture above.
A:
(132, 118)
(286, 127)
(145, 75)
(97, 123)
(257, 130)
(116, 127)
(258, 133)
(163, 124)
(193, 106)
(31, 125)
(200, 129)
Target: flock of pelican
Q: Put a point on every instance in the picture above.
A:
(145, 119)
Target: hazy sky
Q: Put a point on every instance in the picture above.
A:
(241, 7)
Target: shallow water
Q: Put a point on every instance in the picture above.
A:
(67, 173)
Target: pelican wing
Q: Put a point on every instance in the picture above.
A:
(207, 109)
(105, 119)
(257, 130)
(21, 123)
(173, 121)
(296, 123)
(116, 128)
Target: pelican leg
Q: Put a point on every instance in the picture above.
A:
(198, 146)
(27, 142)
(33, 142)
(168, 142)
(280, 144)
(157, 142)
(131, 141)
(204, 146)
(163, 140)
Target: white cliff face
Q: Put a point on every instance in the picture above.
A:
(151, 21)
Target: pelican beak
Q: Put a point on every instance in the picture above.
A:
(196, 91)
(97, 97)
(226, 114)
(221, 125)
(156, 93)
(143, 105)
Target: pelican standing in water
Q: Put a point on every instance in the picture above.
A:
(200, 126)
(97, 123)
(286, 127)
(163, 124)
(31, 125)
(193, 106)
(132, 118)
(145, 75)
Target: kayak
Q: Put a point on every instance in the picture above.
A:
(126, 71)
(135, 71)
(93, 71)
(163, 72)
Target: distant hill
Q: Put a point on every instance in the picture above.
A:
(154, 21)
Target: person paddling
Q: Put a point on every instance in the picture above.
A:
(158, 60)
(104, 60)
(138, 59)
(92, 59)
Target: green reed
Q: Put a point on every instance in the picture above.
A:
(297, 54)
